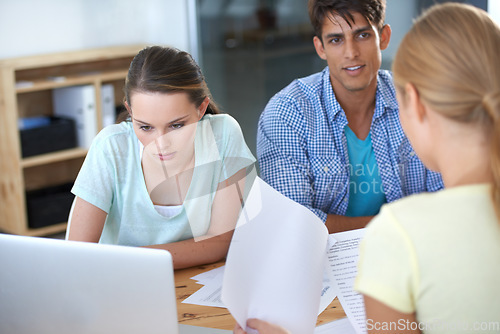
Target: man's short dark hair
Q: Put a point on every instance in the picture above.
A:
(372, 10)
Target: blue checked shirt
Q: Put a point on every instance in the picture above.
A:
(302, 148)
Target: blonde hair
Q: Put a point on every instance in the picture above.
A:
(451, 55)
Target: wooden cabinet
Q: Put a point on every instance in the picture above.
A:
(26, 86)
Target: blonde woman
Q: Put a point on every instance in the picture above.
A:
(430, 262)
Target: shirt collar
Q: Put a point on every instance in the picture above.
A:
(385, 98)
(332, 106)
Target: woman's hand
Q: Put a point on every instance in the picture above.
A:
(263, 327)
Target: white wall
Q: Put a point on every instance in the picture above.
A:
(399, 15)
(494, 10)
(30, 27)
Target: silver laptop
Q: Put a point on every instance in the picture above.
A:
(56, 286)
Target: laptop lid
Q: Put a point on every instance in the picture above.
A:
(56, 286)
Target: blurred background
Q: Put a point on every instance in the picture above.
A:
(248, 49)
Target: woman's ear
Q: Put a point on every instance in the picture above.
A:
(127, 106)
(415, 104)
(203, 107)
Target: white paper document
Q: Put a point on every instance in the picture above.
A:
(210, 293)
(275, 265)
(329, 291)
(343, 259)
(282, 266)
(208, 276)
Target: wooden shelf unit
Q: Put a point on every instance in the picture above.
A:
(26, 86)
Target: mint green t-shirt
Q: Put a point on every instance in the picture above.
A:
(112, 179)
(366, 195)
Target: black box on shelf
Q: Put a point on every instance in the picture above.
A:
(49, 205)
(59, 134)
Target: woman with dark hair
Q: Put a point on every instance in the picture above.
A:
(172, 175)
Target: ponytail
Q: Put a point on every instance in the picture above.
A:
(213, 108)
(491, 104)
(463, 86)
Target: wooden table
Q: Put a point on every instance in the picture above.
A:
(216, 317)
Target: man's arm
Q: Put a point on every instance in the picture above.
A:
(282, 152)
(337, 223)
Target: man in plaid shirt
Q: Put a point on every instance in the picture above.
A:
(332, 141)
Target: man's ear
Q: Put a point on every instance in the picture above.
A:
(318, 45)
(416, 106)
(203, 107)
(385, 36)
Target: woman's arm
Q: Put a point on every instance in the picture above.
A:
(86, 221)
(212, 246)
(381, 318)
(190, 253)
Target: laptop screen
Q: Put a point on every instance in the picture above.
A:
(56, 286)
